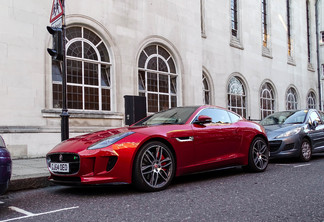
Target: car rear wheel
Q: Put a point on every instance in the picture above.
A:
(154, 167)
(258, 155)
(305, 151)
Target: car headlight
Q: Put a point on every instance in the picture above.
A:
(109, 141)
(289, 133)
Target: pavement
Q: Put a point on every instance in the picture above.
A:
(29, 174)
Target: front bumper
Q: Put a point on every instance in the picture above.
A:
(93, 167)
(285, 147)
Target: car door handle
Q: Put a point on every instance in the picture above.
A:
(185, 139)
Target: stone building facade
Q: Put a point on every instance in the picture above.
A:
(253, 57)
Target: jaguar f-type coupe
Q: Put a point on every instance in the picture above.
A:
(151, 152)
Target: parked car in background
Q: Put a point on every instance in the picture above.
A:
(298, 133)
(166, 144)
(5, 166)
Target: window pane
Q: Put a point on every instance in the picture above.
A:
(89, 52)
(105, 99)
(172, 66)
(73, 32)
(141, 80)
(103, 52)
(152, 64)
(87, 34)
(57, 96)
(74, 71)
(142, 60)
(163, 66)
(163, 83)
(152, 100)
(91, 98)
(164, 102)
(173, 84)
(173, 101)
(90, 74)
(152, 82)
(74, 97)
(163, 53)
(105, 76)
(150, 50)
(75, 50)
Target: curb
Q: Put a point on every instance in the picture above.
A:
(29, 183)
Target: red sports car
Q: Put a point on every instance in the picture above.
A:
(151, 152)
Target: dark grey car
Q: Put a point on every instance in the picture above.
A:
(298, 133)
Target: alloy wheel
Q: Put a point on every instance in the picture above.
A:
(306, 150)
(260, 154)
(156, 166)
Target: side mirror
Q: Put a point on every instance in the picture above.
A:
(314, 124)
(203, 119)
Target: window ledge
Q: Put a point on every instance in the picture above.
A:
(266, 52)
(291, 61)
(310, 67)
(55, 113)
(236, 43)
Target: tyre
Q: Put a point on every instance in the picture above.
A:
(154, 167)
(305, 151)
(258, 155)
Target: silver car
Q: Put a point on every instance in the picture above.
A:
(298, 133)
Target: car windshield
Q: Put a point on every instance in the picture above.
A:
(178, 115)
(285, 117)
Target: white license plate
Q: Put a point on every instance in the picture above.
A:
(60, 167)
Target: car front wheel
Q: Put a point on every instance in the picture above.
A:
(258, 155)
(305, 151)
(154, 167)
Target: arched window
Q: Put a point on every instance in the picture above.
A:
(157, 78)
(291, 99)
(206, 89)
(88, 72)
(311, 101)
(236, 96)
(267, 101)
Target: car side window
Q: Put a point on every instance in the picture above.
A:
(234, 117)
(314, 116)
(217, 115)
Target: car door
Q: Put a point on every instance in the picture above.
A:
(217, 141)
(316, 133)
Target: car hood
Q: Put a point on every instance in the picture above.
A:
(79, 143)
(275, 130)
(82, 142)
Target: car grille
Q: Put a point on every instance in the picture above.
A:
(66, 179)
(71, 158)
(274, 145)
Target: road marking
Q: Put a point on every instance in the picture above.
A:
(302, 165)
(21, 211)
(1, 202)
(35, 215)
